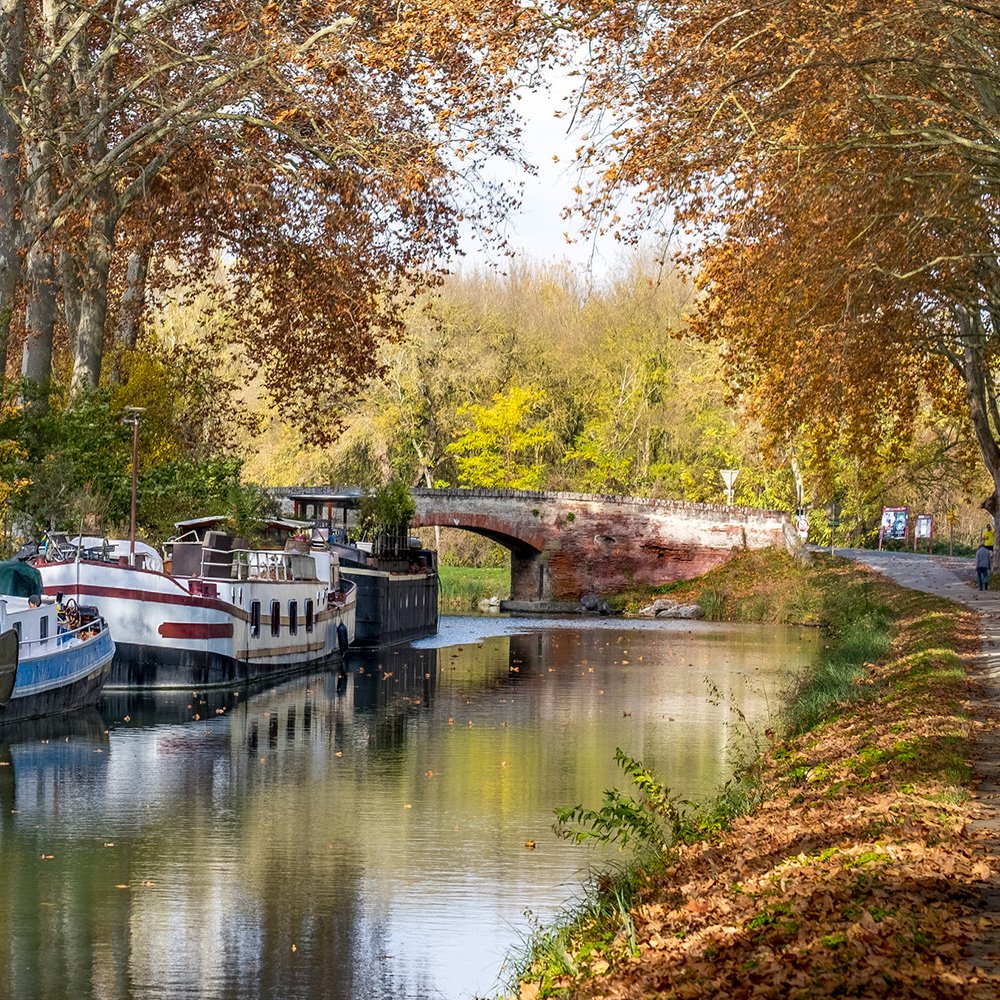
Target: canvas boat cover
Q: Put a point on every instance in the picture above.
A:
(18, 579)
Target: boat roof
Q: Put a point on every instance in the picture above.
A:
(346, 498)
(271, 523)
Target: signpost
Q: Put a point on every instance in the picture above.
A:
(802, 523)
(729, 478)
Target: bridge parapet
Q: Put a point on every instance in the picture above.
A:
(467, 493)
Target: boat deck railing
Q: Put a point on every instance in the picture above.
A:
(263, 564)
(35, 647)
(191, 557)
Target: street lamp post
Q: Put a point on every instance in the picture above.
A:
(132, 417)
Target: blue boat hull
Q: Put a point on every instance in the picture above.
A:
(65, 679)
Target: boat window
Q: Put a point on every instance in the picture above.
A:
(293, 617)
(255, 619)
(309, 615)
(275, 617)
(43, 627)
(17, 629)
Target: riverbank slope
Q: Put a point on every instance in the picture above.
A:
(869, 867)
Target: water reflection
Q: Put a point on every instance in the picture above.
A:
(353, 837)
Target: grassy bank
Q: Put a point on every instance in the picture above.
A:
(765, 586)
(463, 587)
(838, 864)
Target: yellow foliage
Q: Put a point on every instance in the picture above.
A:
(150, 384)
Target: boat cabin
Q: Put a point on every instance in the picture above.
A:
(332, 516)
(36, 619)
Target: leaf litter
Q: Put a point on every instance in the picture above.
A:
(864, 873)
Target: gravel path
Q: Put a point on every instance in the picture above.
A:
(954, 578)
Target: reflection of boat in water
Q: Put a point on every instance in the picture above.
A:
(38, 757)
(84, 726)
(220, 614)
(52, 660)
(397, 579)
(374, 703)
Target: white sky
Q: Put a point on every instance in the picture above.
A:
(538, 233)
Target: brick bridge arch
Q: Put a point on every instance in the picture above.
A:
(565, 545)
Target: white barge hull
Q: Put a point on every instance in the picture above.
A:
(193, 633)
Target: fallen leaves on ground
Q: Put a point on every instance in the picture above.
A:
(861, 876)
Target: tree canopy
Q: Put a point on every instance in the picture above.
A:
(832, 169)
(325, 150)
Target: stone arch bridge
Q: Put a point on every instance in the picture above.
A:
(565, 545)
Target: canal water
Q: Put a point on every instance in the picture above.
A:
(386, 835)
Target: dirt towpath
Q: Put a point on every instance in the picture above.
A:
(954, 579)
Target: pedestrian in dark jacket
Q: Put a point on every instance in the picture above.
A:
(983, 556)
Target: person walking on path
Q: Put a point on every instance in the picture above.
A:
(988, 537)
(983, 555)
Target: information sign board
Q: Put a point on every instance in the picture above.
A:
(895, 524)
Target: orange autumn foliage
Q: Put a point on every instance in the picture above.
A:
(833, 170)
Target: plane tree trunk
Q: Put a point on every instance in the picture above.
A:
(11, 229)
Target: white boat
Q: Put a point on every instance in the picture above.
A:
(212, 614)
(52, 660)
